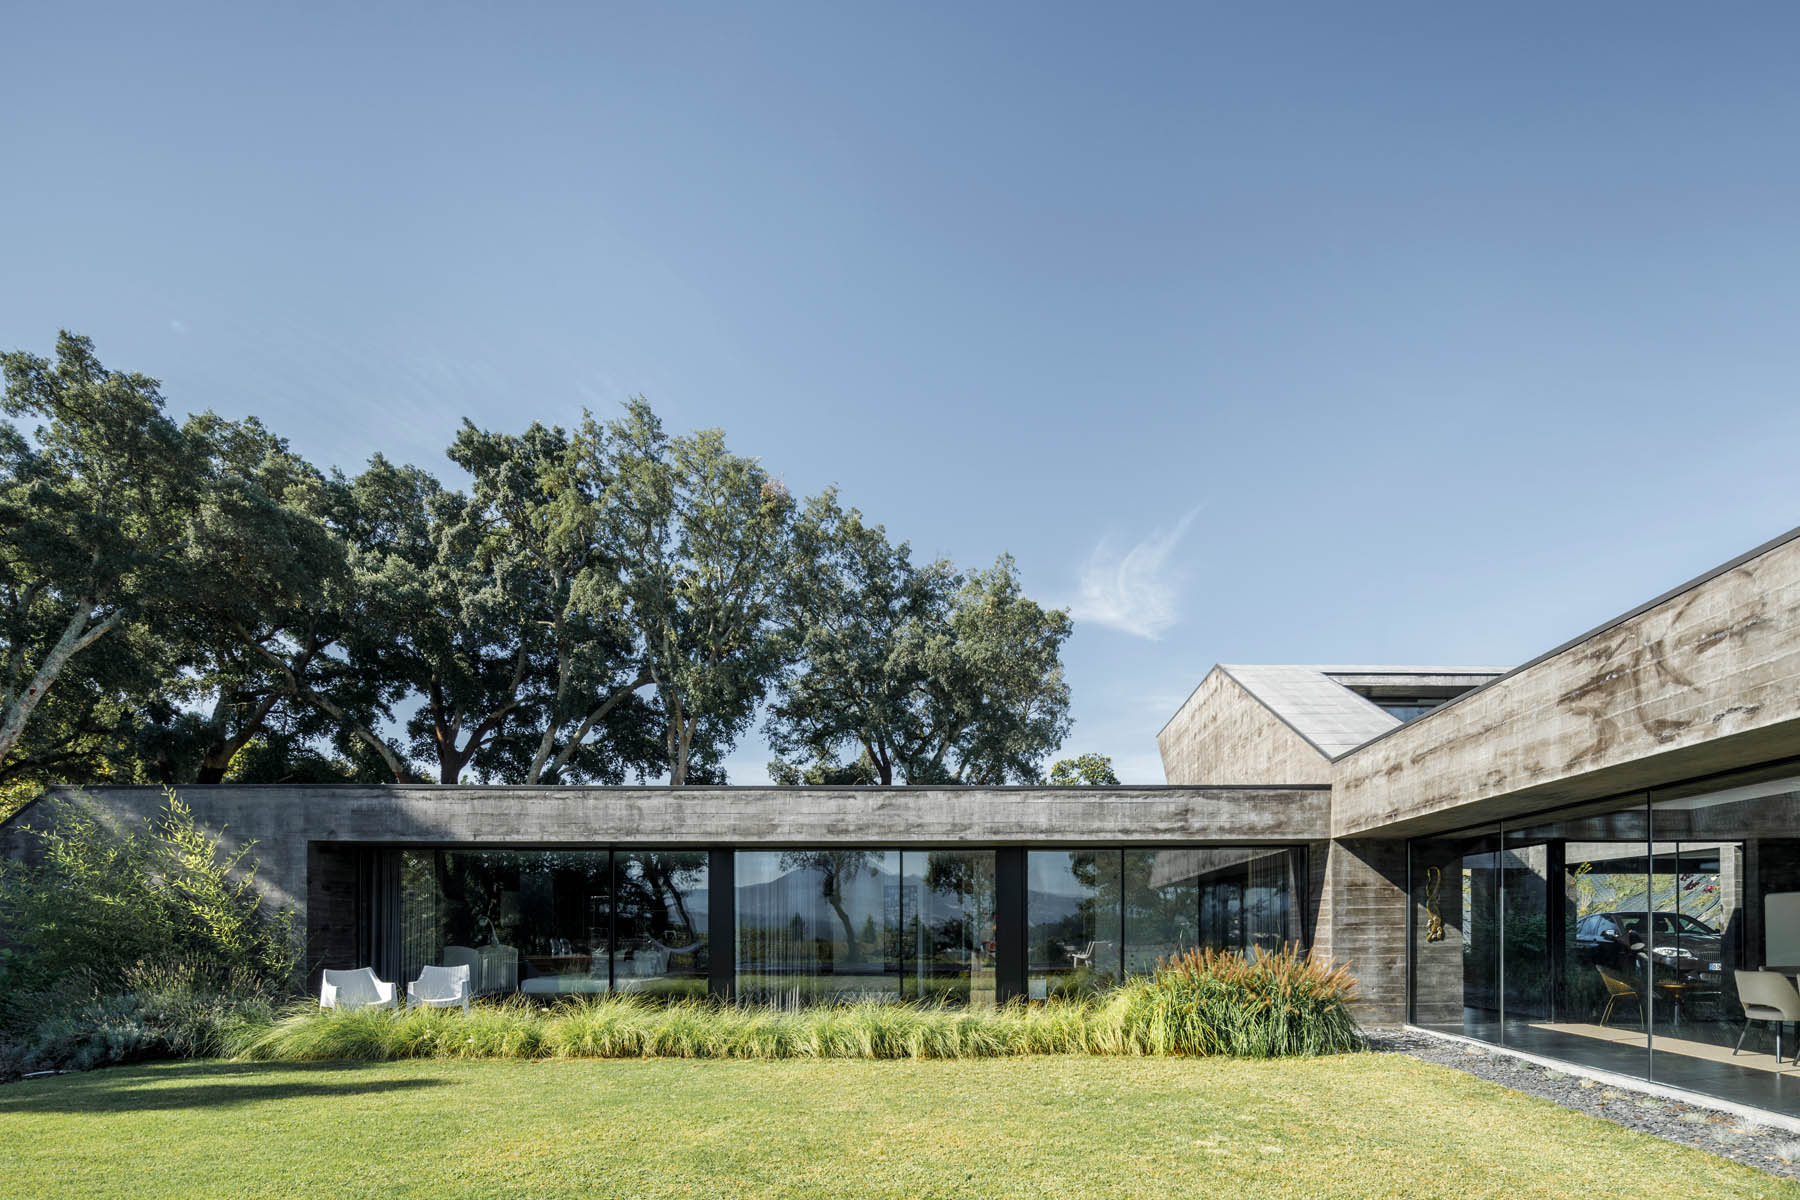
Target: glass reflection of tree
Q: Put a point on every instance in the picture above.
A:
(1100, 894)
(956, 874)
(1159, 920)
(657, 884)
(837, 870)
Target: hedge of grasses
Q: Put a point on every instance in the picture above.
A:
(1204, 1003)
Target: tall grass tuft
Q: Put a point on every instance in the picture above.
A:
(1270, 1006)
(1198, 1004)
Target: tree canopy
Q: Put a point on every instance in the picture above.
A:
(1084, 770)
(598, 603)
(915, 671)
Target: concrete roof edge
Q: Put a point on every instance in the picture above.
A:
(1772, 544)
(1275, 712)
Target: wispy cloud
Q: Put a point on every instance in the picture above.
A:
(1135, 590)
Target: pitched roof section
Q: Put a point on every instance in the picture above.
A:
(1315, 704)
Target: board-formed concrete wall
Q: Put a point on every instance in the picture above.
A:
(1362, 922)
(1706, 679)
(1224, 735)
(285, 823)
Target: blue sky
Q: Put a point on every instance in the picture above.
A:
(1342, 333)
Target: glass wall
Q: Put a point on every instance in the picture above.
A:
(660, 929)
(947, 906)
(1456, 922)
(1162, 904)
(511, 915)
(1096, 915)
(1724, 930)
(1620, 935)
(837, 924)
(545, 922)
(818, 925)
(1073, 917)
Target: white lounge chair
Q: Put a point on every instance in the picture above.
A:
(355, 989)
(439, 987)
(1767, 996)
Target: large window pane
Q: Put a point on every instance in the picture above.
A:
(1271, 918)
(1723, 920)
(1525, 950)
(1576, 967)
(1456, 922)
(947, 910)
(1072, 912)
(535, 921)
(1162, 903)
(660, 932)
(818, 925)
(1238, 898)
(1530, 936)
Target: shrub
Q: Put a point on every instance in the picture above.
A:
(174, 1010)
(127, 945)
(1202, 1003)
(1215, 1002)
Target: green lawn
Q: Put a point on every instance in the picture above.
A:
(1360, 1125)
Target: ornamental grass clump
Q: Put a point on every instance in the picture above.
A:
(1200, 1003)
(1211, 1002)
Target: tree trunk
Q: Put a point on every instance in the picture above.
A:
(680, 738)
(76, 636)
(576, 739)
(395, 764)
(837, 906)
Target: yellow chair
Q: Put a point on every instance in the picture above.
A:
(1618, 988)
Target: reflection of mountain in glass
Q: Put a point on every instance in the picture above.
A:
(800, 893)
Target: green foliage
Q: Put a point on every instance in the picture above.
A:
(104, 924)
(601, 603)
(1084, 770)
(628, 1027)
(1205, 1003)
(699, 535)
(1214, 1002)
(186, 1008)
(264, 609)
(921, 672)
(94, 505)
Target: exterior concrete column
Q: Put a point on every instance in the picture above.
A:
(1363, 922)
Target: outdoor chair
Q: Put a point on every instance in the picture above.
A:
(1618, 988)
(439, 987)
(1767, 996)
(464, 956)
(1081, 958)
(355, 989)
(499, 968)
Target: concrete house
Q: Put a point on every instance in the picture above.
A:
(1594, 856)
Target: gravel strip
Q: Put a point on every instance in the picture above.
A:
(1741, 1139)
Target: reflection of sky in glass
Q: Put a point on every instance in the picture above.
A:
(1054, 872)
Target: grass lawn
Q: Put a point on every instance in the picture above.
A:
(1359, 1125)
